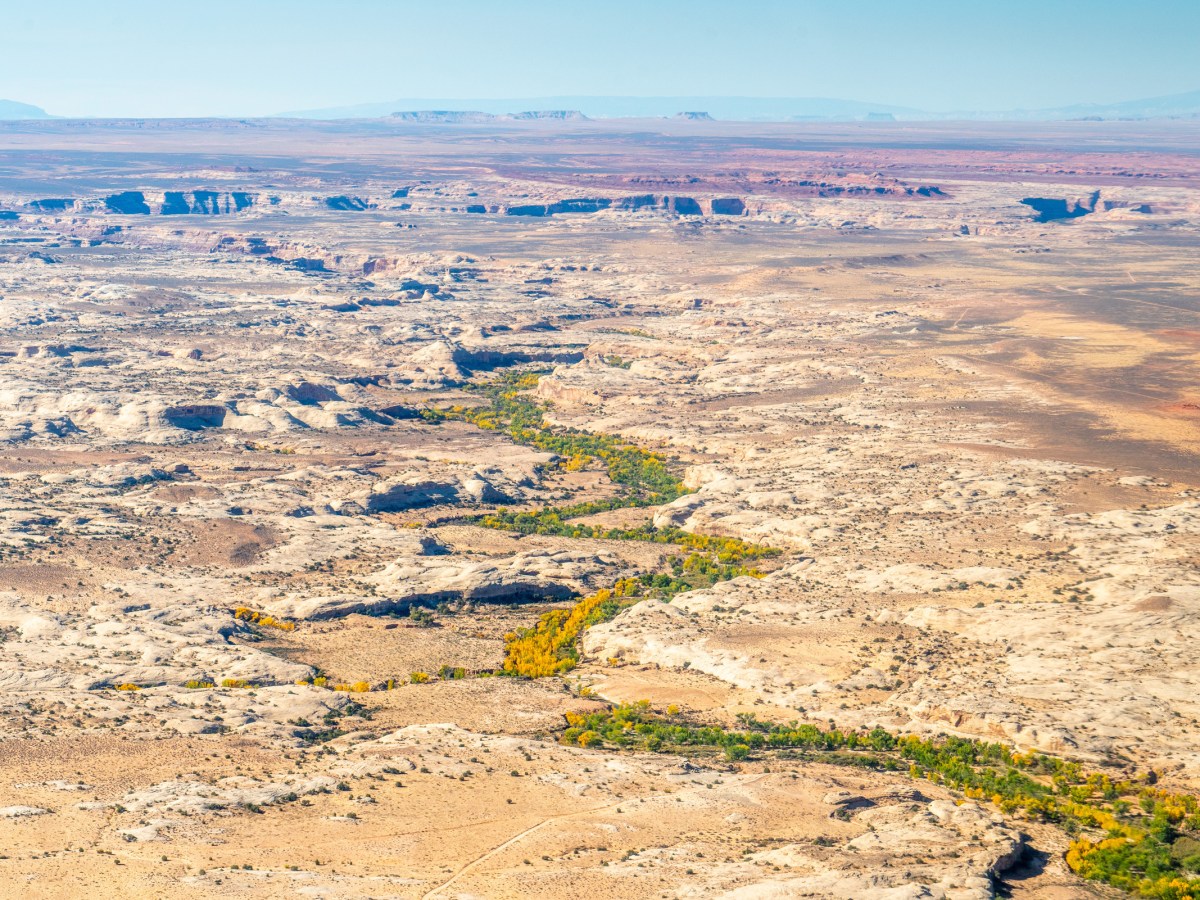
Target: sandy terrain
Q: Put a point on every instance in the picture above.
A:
(972, 435)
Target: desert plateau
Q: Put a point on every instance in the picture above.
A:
(460, 506)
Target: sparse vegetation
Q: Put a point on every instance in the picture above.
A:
(551, 646)
(1131, 834)
(420, 617)
(644, 478)
(257, 618)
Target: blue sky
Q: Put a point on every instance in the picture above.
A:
(255, 57)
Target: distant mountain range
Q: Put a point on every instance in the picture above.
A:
(453, 116)
(1183, 105)
(733, 108)
(11, 109)
(779, 109)
(751, 109)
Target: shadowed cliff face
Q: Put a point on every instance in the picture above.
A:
(52, 204)
(127, 202)
(174, 203)
(680, 206)
(196, 416)
(577, 205)
(346, 203)
(683, 206)
(728, 206)
(1049, 209)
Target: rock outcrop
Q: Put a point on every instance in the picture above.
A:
(1049, 209)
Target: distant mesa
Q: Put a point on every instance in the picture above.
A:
(560, 115)
(442, 116)
(577, 107)
(744, 109)
(469, 117)
(137, 203)
(695, 116)
(580, 205)
(11, 109)
(680, 206)
(208, 203)
(1183, 106)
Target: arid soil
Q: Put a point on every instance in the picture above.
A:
(973, 435)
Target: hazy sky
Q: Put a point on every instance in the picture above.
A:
(253, 57)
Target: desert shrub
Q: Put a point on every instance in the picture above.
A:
(257, 618)
(421, 617)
